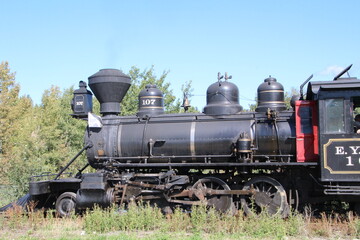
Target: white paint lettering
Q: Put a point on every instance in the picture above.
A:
(354, 149)
(349, 164)
(148, 101)
(339, 151)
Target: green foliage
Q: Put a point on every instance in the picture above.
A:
(264, 225)
(16, 139)
(34, 139)
(202, 220)
(177, 222)
(61, 135)
(355, 225)
(199, 218)
(137, 217)
(8, 101)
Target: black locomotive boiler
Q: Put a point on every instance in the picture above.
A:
(272, 159)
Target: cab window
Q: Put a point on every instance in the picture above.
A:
(355, 101)
(334, 114)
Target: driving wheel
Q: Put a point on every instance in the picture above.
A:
(222, 203)
(269, 196)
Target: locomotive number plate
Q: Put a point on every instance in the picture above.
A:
(342, 156)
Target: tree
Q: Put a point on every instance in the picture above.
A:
(61, 135)
(8, 99)
(16, 127)
(34, 139)
(23, 156)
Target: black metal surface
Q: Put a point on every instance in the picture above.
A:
(151, 102)
(88, 198)
(166, 136)
(109, 86)
(214, 165)
(189, 138)
(338, 143)
(342, 72)
(270, 96)
(93, 190)
(64, 184)
(222, 98)
(40, 187)
(340, 84)
(94, 181)
(81, 103)
(340, 158)
(276, 137)
(243, 144)
(302, 86)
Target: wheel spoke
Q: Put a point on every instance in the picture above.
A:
(221, 203)
(270, 196)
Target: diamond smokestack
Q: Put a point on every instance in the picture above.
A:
(109, 87)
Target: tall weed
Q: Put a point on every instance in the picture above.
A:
(200, 223)
(16, 217)
(178, 221)
(354, 225)
(136, 217)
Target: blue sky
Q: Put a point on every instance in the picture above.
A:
(62, 42)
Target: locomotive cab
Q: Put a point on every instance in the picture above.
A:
(339, 144)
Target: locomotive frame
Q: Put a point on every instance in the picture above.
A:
(270, 160)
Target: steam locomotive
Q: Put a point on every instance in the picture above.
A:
(272, 159)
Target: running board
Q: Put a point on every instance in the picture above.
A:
(342, 190)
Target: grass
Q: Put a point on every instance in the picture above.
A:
(145, 222)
